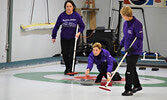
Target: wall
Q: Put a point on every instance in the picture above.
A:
(156, 23)
(37, 43)
(155, 20)
(3, 29)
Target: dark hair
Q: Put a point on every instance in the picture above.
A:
(70, 1)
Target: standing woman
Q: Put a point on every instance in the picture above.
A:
(69, 19)
(132, 28)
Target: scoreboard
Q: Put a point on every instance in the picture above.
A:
(146, 3)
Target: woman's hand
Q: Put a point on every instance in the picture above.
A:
(87, 72)
(108, 73)
(77, 35)
(108, 76)
(53, 40)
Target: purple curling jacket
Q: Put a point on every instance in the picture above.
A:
(69, 24)
(132, 29)
(104, 56)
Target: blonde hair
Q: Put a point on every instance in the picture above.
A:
(97, 44)
(126, 11)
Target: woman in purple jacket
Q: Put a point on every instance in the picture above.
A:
(104, 61)
(132, 28)
(69, 19)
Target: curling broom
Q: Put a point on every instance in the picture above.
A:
(73, 63)
(106, 86)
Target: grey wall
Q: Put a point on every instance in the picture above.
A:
(37, 43)
(3, 29)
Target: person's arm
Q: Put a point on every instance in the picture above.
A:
(81, 26)
(55, 29)
(139, 34)
(90, 64)
(120, 46)
(109, 62)
(123, 39)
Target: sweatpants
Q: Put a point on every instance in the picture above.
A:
(67, 47)
(131, 76)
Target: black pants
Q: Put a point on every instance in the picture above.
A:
(103, 72)
(131, 75)
(114, 66)
(67, 47)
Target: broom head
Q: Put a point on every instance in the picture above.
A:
(104, 88)
(72, 73)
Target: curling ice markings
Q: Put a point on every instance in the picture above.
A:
(143, 80)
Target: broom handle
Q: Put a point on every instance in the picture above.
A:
(32, 12)
(75, 44)
(120, 63)
(48, 11)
